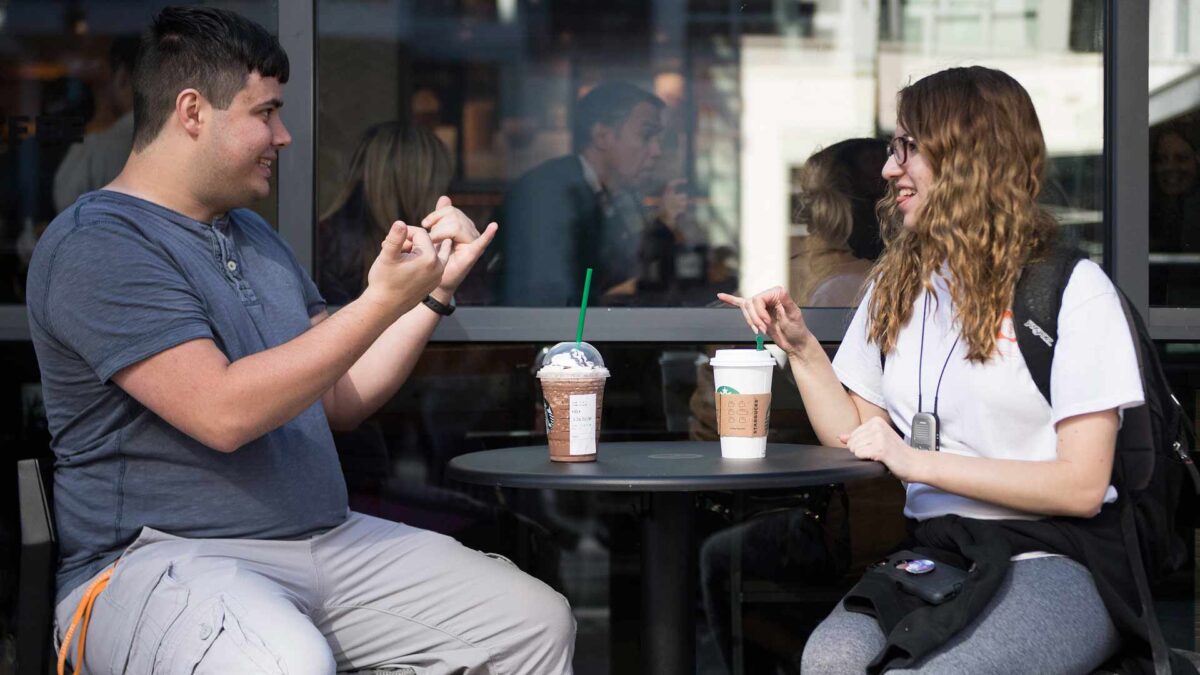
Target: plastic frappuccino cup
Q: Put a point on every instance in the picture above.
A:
(572, 377)
(743, 381)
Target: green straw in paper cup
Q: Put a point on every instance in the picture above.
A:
(587, 286)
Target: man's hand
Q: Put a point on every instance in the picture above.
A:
(673, 203)
(408, 268)
(448, 226)
(624, 289)
(877, 440)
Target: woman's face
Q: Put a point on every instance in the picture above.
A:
(910, 173)
(1174, 165)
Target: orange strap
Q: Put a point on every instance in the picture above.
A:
(83, 616)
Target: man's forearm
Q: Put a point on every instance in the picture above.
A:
(383, 368)
(271, 387)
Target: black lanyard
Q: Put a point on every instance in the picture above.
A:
(921, 362)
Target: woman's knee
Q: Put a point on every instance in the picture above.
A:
(842, 643)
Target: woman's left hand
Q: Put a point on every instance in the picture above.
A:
(877, 440)
(448, 223)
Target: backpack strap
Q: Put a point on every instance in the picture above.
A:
(1036, 302)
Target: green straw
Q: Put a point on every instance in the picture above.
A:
(758, 342)
(587, 285)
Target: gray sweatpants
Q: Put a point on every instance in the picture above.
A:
(370, 593)
(1046, 617)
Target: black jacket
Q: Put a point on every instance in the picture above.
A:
(915, 628)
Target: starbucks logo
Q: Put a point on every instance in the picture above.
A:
(549, 415)
(726, 390)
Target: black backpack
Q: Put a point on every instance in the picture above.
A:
(1154, 466)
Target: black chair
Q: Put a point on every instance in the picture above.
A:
(39, 559)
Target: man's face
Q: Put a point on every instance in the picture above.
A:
(635, 146)
(244, 142)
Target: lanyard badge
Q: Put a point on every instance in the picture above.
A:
(924, 434)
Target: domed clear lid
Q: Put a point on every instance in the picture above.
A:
(566, 358)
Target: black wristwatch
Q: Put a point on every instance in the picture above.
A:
(439, 307)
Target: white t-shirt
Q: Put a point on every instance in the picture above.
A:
(994, 409)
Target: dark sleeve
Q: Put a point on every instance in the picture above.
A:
(539, 244)
(339, 264)
(118, 299)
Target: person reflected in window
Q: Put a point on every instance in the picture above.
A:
(397, 172)
(1175, 215)
(672, 253)
(94, 162)
(836, 199)
(1017, 485)
(583, 210)
(1175, 193)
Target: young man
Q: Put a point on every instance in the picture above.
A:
(192, 376)
(582, 210)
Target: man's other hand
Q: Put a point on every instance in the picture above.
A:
(448, 226)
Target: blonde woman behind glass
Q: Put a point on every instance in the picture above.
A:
(397, 172)
(837, 189)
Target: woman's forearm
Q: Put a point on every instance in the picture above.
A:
(1073, 484)
(830, 408)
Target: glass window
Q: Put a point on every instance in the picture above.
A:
(670, 146)
(66, 120)
(1174, 146)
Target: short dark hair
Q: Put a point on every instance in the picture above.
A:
(209, 49)
(608, 104)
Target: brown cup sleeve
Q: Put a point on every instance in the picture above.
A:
(743, 414)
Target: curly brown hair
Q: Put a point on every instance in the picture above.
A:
(978, 131)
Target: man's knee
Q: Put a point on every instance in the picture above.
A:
(221, 636)
(539, 614)
(543, 606)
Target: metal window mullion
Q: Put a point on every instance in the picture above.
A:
(297, 163)
(1126, 145)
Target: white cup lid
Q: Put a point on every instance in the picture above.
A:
(733, 358)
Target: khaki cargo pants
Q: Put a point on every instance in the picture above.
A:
(368, 594)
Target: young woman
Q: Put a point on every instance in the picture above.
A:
(959, 221)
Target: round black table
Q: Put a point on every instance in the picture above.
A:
(668, 471)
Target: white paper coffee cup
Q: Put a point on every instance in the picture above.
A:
(742, 378)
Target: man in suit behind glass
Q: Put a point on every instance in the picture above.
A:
(582, 210)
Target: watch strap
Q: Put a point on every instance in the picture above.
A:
(438, 306)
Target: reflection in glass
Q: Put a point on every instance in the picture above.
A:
(65, 120)
(397, 172)
(836, 192)
(746, 93)
(1174, 142)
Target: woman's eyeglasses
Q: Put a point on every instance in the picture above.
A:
(901, 147)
